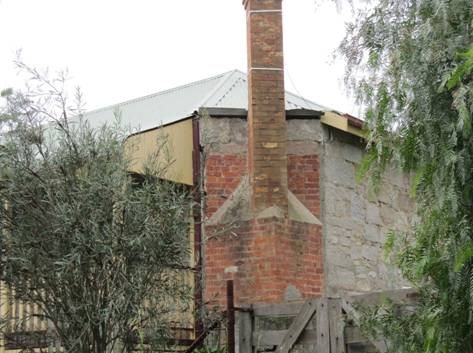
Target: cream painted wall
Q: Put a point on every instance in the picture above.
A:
(175, 145)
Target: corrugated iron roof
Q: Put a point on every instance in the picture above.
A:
(227, 90)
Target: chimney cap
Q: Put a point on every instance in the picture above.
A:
(246, 2)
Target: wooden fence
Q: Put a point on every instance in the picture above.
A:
(321, 325)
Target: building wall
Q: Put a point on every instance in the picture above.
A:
(269, 260)
(169, 146)
(344, 255)
(356, 220)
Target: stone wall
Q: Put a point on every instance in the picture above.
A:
(321, 174)
(356, 221)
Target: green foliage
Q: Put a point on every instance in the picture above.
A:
(463, 69)
(410, 62)
(6, 92)
(97, 248)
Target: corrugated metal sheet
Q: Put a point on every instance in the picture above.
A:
(228, 90)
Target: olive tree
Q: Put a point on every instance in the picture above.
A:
(97, 248)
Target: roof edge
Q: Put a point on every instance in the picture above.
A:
(242, 113)
(343, 123)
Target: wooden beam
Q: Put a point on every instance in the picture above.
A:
(337, 324)
(230, 317)
(323, 327)
(299, 324)
(244, 332)
(266, 338)
(398, 296)
(283, 309)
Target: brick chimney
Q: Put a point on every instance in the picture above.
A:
(275, 252)
(267, 161)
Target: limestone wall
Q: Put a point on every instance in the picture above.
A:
(356, 222)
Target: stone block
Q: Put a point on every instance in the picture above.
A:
(340, 172)
(356, 256)
(352, 153)
(387, 194)
(358, 210)
(333, 150)
(343, 278)
(357, 230)
(373, 233)
(333, 240)
(372, 274)
(304, 130)
(371, 253)
(372, 214)
(342, 222)
(343, 209)
(227, 135)
(363, 285)
(334, 231)
(339, 256)
(346, 241)
(388, 215)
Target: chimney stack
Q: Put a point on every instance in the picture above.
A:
(267, 135)
(276, 255)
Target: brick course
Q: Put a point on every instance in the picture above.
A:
(222, 176)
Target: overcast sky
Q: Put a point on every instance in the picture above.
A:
(117, 50)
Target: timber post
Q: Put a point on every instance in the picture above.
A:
(230, 317)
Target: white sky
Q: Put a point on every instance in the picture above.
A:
(118, 50)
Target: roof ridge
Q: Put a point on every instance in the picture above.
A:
(220, 76)
(244, 78)
(241, 78)
(217, 87)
